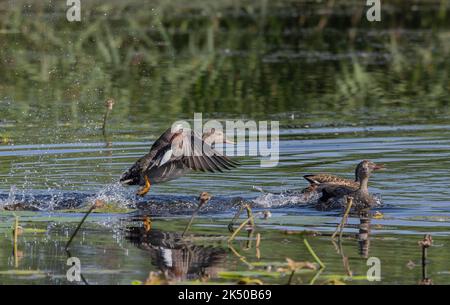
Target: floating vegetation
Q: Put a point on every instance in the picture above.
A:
(18, 272)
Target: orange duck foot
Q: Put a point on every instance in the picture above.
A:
(144, 190)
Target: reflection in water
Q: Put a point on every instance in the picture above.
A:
(178, 259)
(425, 244)
(363, 241)
(364, 233)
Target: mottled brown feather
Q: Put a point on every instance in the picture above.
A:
(331, 179)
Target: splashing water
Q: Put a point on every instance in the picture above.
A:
(114, 194)
(270, 200)
(10, 199)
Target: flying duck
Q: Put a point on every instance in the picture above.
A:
(176, 152)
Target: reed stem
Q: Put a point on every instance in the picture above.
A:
(340, 227)
(79, 226)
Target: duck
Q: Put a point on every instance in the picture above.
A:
(176, 152)
(333, 190)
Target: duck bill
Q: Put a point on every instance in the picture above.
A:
(379, 166)
(126, 182)
(226, 141)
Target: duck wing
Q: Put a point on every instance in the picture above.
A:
(133, 175)
(335, 191)
(187, 148)
(330, 179)
(331, 195)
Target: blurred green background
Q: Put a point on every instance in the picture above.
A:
(166, 59)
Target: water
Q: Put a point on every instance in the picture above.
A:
(349, 91)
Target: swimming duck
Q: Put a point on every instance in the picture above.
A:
(176, 152)
(333, 190)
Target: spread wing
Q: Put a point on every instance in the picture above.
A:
(188, 149)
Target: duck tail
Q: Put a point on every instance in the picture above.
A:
(310, 179)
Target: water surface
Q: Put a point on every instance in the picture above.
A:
(342, 88)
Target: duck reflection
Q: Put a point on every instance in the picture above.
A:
(178, 259)
(364, 233)
(363, 237)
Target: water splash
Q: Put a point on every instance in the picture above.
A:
(10, 199)
(115, 194)
(269, 200)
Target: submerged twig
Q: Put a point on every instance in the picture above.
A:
(340, 227)
(204, 198)
(97, 204)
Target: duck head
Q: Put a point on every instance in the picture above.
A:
(364, 170)
(214, 136)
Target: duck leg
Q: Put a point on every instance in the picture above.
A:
(144, 190)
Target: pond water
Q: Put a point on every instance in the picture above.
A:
(343, 89)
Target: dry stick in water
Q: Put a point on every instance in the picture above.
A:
(16, 233)
(248, 246)
(204, 198)
(97, 204)
(250, 215)
(109, 105)
(235, 217)
(291, 277)
(240, 228)
(250, 218)
(340, 227)
(252, 224)
(425, 244)
(258, 243)
(191, 220)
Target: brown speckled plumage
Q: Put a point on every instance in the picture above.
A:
(175, 153)
(332, 190)
(331, 179)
